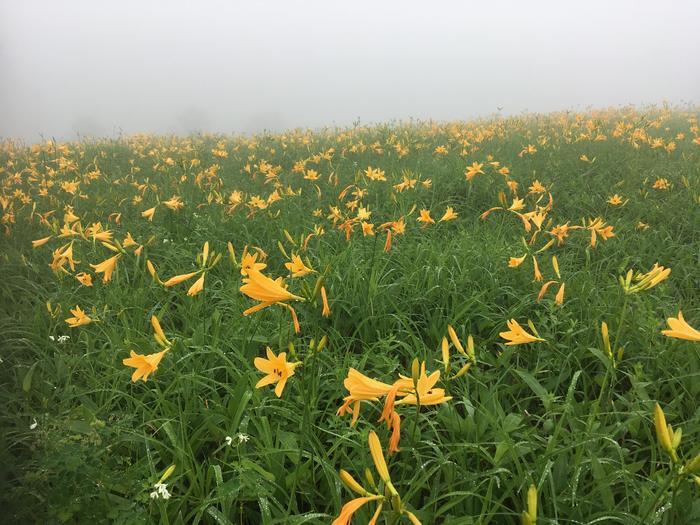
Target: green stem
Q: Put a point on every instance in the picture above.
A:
(659, 495)
(303, 442)
(620, 322)
(415, 422)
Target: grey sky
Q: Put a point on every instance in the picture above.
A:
(98, 67)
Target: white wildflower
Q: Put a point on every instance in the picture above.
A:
(240, 438)
(160, 491)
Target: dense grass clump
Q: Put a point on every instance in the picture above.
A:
(567, 415)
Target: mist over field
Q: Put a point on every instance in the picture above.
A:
(105, 68)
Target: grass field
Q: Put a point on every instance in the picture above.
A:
(426, 240)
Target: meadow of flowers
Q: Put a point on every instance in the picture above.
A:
(482, 322)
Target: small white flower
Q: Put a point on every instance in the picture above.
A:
(33, 425)
(161, 491)
(52, 338)
(62, 339)
(240, 438)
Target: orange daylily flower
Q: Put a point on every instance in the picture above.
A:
(179, 279)
(326, 309)
(449, 215)
(277, 368)
(106, 267)
(425, 217)
(84, 278)
(297, 267)
(145, 365)
(80, 318)
(680, 329)
(516, 334)
(41, 242)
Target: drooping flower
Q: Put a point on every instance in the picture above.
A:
(106, 267)
(361, 388)
(544, 289)
(680, 329)
(268, 291)
(514, 262)
(559, 298)
(148, 214)
(277, 368)
(179, 279)
(516, 334)
(41, 242)
(536, 269)
(197, 287)
(351, 507)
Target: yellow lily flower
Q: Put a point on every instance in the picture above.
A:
(80, 318)
(145, 365)
(179, 279)
(106, 267)
(41, 242)
(449, 215)
(326, 312)
(514, 262)
(516, 334)
(277, 368)
(680, 329)
(297, 267)
(197, 287)
(268, 291)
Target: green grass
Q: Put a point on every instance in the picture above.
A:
(555, 414)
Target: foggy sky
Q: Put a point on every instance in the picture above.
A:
(109, 67)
